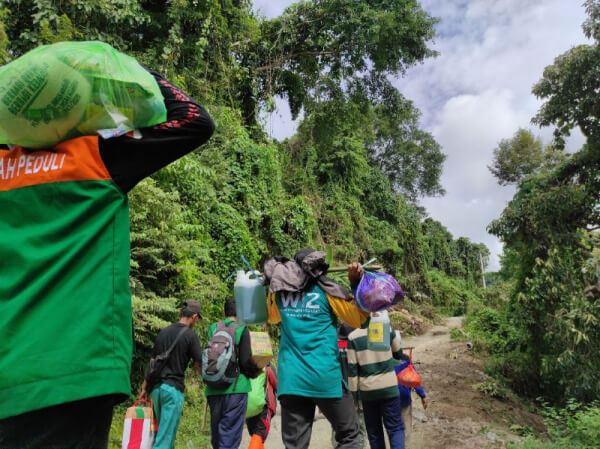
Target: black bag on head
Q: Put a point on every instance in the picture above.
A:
(220, 366)
(157, 364)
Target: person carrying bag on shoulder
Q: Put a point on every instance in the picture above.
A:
(174, 347)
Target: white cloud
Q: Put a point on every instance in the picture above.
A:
(478, 91)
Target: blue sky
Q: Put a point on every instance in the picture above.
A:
(477, 92)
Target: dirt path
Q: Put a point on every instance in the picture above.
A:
(320, 437)
(458, 417)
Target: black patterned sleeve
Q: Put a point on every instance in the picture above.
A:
(136, 155)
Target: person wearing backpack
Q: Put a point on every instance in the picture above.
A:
(227, 367)
(174, 347)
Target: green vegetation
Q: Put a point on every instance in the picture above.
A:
(348, 180)
(454, 269)
(451, 295)
(460, 258)
(492, 389)
(457, 334)
(575, 426)
(521, 155)
(543, 329)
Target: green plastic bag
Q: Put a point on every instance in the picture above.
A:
(70, 89)
(256, 397)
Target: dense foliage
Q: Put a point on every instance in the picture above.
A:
(458, 258)
(545, 338)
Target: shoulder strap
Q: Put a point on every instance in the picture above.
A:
(220, 326)
(181, 332)
(231, 327)
(235, 325)
(272, 309)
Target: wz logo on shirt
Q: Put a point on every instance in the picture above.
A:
(299, 304)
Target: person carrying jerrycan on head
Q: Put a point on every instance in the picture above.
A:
(65, 302)
(306, 303)
(165, 382)
(226, 368)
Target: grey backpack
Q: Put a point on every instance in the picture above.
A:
(220, 366)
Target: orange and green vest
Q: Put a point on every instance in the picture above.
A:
(65, 304)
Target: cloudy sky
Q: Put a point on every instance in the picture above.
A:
(477, 92)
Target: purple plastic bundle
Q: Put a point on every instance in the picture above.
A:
(377, 291)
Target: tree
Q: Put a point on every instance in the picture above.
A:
(458, 258)
(552, 249)
(410, 157)
(337, 39)
(439, 244)
(517, 157)
(569, 85)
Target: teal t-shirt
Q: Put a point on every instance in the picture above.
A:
(308, 351)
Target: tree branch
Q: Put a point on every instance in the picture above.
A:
(280, 61)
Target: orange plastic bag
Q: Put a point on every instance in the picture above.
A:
(408, 376)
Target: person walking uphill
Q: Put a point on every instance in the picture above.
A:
(306, 303)
(183, 345)
(226, 368)
(65, 303)
(372, 378)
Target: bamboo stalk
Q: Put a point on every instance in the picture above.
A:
(340, 269)
(204, 416)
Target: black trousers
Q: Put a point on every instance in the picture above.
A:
(260, 424)
(298, 412)
(75, 425)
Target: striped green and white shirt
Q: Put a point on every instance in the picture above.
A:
(371, 373)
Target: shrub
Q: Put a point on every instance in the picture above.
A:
(575, 426)
(450, 295)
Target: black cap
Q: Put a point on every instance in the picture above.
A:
(192, 306)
